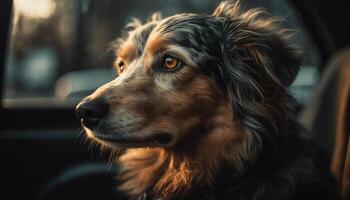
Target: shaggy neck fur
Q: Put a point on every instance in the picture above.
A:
(167, 173)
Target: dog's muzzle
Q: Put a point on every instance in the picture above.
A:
(90, 112)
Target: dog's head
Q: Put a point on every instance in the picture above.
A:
(181, 77)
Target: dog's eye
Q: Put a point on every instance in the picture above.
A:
(120, 65)
(170, 63)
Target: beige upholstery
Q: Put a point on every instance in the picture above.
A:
(327, 117)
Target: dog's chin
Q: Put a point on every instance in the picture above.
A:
(115, 140)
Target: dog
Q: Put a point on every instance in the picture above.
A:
(201, 107)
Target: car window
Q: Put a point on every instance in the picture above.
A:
(58, 49)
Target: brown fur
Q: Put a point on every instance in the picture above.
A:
(170, 172)
(204, 141)
(212, 124)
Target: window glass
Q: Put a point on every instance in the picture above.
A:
(58, 49)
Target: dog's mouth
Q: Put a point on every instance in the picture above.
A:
(161, 138)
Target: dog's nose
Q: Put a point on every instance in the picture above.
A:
(91, 111)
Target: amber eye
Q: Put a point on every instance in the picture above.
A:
(170, 63)
(120, 65)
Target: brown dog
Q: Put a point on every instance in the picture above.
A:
(200, 103)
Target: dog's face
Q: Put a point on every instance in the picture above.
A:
(161, 93)
(177, 75)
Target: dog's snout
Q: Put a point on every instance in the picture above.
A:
(91, 111)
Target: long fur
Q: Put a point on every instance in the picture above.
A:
(236, 135)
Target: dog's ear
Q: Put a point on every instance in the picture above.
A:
(258, 61)
(257, 39)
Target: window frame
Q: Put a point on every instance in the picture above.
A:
(24, 118)
(319, 31)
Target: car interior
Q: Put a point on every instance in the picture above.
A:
(55, 52)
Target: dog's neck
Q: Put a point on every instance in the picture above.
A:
(162, 172)
(168, 173)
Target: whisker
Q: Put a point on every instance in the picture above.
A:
(80, 132)
(115, 153)
(111, 159)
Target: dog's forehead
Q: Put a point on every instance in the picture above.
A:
(135, 42)
(184, 23)
(192, 31)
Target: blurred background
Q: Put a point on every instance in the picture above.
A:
(58, 50)
(55, 52)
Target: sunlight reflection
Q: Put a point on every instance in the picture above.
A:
(35, 8)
